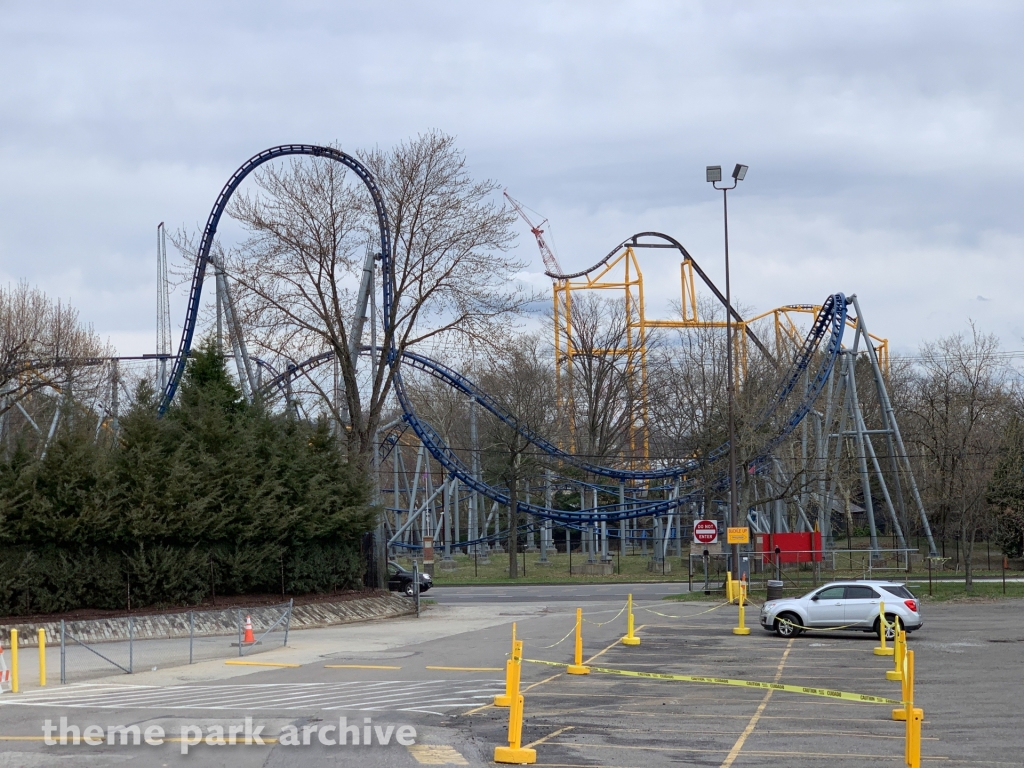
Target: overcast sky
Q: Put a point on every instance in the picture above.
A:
(884, 139)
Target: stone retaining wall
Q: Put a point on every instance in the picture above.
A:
(209, 623)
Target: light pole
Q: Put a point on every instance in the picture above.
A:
(714, 176)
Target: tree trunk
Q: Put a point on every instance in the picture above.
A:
(967, 532)
(513, 529)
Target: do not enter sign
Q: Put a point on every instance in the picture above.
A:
(705, 531)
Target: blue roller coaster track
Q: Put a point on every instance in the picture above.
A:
(210, 232)
(813, 364)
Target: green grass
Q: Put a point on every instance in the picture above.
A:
(633, 569)
(946, 590)
(698, 596)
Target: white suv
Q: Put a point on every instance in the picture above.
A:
(849, 605)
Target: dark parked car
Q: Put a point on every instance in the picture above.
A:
(400, 580)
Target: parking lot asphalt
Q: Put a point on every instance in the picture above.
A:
(968, 677)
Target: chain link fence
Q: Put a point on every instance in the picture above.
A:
(102, 647)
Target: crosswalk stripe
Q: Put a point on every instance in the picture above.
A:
(342, 704)
(462, 697)
(429, 696)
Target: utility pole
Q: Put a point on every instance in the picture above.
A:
(714, 175)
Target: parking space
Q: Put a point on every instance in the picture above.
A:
(615, 720)
(618, 720)
(968, 674)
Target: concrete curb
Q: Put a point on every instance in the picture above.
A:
(212, 623)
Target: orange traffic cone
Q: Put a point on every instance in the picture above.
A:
(5, 673)
(249, 638)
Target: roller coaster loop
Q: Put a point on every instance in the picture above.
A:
(829, 322)
(210, 231)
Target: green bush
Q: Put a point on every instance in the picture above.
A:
(218, 495)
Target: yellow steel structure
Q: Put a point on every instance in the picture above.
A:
(620, 271)
(788, 334)
(690, 318)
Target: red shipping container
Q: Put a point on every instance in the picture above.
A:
(793, 547)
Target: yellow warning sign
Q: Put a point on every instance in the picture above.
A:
(738, 535)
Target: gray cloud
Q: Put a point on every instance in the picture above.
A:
(884, 138)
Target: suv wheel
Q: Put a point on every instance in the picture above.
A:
(893, 624)
(786, 625)
(409, 589)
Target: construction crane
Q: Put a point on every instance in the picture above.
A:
(553, 268)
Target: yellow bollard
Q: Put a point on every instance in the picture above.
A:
(741, 629)
(577, 667)
(913, 718)
(906, 691)
(630, 638)
(900, 713)
(42, 658)
(506, 699)
(914, 758)
(729, 597)
(882, 650)
(14, 661)
(899, 652)
(515, 752)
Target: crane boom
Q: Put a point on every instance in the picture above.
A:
(549, 258)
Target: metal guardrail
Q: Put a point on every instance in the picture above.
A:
(97, 647)
(285, 618)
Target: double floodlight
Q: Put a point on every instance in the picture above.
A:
(715, 172)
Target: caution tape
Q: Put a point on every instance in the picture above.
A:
(687, 616)
(894, 624)
(824, 692)
(815, 629)
(601, 624)
(573, 630)
(545, 647)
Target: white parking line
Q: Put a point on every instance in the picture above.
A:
(241, 696)
(428, 696)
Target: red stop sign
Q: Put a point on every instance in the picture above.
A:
(705, 531)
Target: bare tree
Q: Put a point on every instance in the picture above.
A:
(688, 394)
(521, 379)
(960, 410)
(603, 379)
(308, 230)
(687, 386)
(43, 346)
